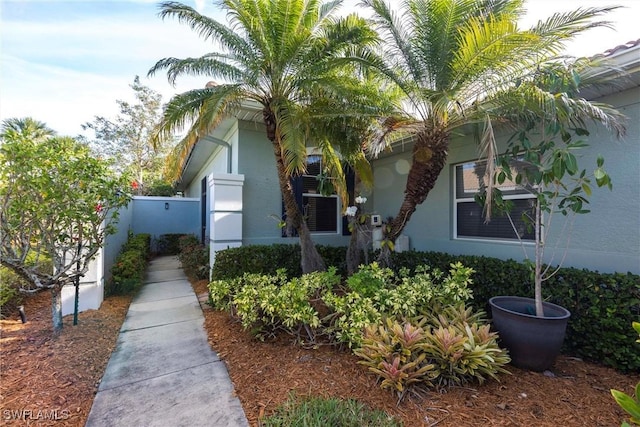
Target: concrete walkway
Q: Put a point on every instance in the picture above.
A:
(163, 371)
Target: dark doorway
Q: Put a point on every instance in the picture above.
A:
(203, 210)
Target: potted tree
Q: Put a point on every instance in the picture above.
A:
(545, 166)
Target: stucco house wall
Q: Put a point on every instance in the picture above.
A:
(607, 239)
(261, 196)
(164, 215)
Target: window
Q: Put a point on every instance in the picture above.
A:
(469, 220)
(323, 213)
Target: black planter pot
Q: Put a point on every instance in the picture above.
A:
(533, 342)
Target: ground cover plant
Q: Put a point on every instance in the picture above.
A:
(411, 329)
(313, 411)
(602, 305)
(265, 373)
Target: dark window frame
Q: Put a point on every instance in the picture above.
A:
(467, 214)
(303, 189)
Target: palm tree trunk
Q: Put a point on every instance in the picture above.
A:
(429, 157)
(310, 258)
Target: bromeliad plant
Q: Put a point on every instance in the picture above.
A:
(630, 404)
(549, 171)
(393, 352)
(453, 347)
(462, 347)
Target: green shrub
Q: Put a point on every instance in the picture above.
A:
(10, 296)
(602, 305)
(350, 315)
(139, 243)
(425, 290)
(323, 412)
(194, 257)
(222, 292)
(168, 244)
(266, 304)
(262, 259)
(400, 296)
(253, 302)
(370, 279)
(127, 272)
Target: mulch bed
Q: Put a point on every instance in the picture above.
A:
(49, 379)
(576, 393)
(50, 375)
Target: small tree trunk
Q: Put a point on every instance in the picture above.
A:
(539, 259)
(56, 308)
(354, 258)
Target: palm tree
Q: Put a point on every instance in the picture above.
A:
(281, 54)
(26, 128)
(466, 63)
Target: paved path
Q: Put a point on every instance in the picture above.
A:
(163, 371)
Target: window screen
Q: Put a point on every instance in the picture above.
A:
(469, 219)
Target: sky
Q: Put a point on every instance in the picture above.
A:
(65, 62)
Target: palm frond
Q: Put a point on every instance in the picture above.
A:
(207, 28)
(393, 27)
(179, 113)
(362, 167)
(252, 19)
(200, 109)
(213, 65)
(560, 27)
(176, 159)
(292, 131)
(332, 163)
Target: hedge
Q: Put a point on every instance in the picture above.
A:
(168, 244)
(127, 272)
(262, 259)
(194, 257)
(603, 306)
